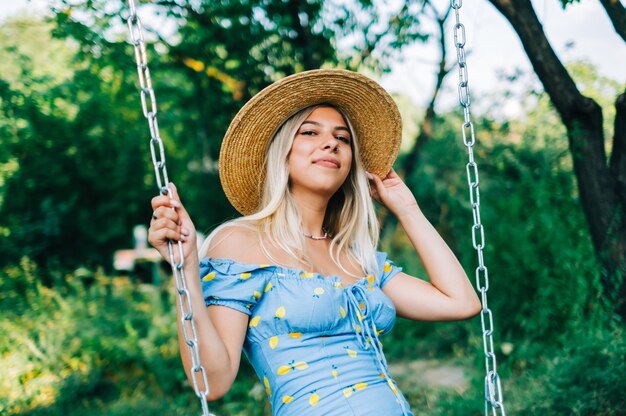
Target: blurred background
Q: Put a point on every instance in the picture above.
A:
(87, 312)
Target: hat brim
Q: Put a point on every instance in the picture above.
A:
(371, 110)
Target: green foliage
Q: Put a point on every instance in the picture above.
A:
(585, 377)
(74, 151)
(543, 273)
(75, 177)
(589, 378)
(73, 165)
(95, 344)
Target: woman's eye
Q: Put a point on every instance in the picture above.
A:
(344, 139)
(307, 133)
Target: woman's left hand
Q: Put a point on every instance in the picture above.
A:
(393, 193)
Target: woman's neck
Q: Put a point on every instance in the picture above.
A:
(312, 209)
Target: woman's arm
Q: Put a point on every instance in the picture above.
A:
(449, 295)
(221, 330)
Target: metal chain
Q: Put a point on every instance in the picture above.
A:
(493, 387)
(149, 107)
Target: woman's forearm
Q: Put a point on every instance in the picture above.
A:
(214, 357)
(443, 268)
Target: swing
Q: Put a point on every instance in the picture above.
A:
(493, 387)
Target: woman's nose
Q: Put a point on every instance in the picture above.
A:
(330, 142)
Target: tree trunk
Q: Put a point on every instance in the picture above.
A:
(602, 193)
(617, 14)
(426, 128)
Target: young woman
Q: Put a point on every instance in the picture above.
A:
(297, 283)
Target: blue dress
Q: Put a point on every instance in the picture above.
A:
(312, 342)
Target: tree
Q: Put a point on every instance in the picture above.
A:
(68, 164)
(601, 179)
(74, 151)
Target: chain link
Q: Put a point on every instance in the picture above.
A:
(493, 387)
(157, 151)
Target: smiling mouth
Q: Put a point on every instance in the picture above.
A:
(327, 163)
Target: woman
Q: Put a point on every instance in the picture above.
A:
(297, 282)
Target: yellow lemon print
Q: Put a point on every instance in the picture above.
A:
(254, 321)
(335, 373)
(360, 386)
(387, 267)
(349, 390)
(392, 385)
(293, 365)
(342, 311)
(273, 342)
(357, 328)
(301, 365)
(314, 399)
(256, 295)
(283, 369)
(338, 285)
(268, 287)
(361, 305)
(209, 277)
(267, 386)
(280, 312)
(287, 399)
(351, 353)
(295, 334)
(318, 291)
(262, 266)
(358, 315)
(370, 279)
(245, 276)
(307, 275)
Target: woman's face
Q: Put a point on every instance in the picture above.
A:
(321, 154)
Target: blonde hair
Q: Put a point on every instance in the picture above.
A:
(350, 216)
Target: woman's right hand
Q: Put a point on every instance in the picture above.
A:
(170, 221)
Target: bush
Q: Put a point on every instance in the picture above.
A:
(105, 348)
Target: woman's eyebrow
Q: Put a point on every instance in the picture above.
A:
(344, 128)
(311, 122)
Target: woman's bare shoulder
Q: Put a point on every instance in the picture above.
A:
(236, 242)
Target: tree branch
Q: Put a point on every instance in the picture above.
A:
(556, 80)
(426, 127)
(370, 46)
(309, 58)
(617, 14)
(618, 156)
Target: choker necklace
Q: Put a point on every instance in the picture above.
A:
(317, 237)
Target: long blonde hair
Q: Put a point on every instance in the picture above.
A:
(350, 216)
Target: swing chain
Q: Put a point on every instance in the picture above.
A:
(493, 387)
(157, 151)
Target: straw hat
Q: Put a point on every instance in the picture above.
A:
(371, 110)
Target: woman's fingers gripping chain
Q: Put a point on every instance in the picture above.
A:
(166, 222)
